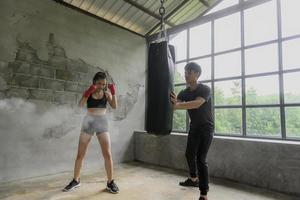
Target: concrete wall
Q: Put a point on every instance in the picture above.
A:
(268, 164)
(48, 55)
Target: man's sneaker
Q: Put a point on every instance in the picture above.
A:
(189, 183)
(73, 184)
(112, 187)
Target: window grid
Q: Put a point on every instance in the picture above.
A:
(281, 90)
(244, 125)
(243, 76)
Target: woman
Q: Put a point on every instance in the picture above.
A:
(95, 121)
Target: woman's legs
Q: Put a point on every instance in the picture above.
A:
(84, 140)
(104, 141)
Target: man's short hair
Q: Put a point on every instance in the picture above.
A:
(192, 66)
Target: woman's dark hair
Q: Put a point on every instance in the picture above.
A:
(192, 66)
(99, 76)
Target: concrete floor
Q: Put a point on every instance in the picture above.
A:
(136, 181)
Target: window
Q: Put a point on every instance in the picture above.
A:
(290, 54)
(179, 73)
(261, 59)
(290, 16)
(262, 90)
(261, 23)
(263, 122)
(228, 121)
(205, 64)
(292, 121)
(180, 43)
(228, 92)
(179, 116)
(252, 69)
(228, 32)
(228, 65)
(291, 87)
(200, 40)
(222, 5)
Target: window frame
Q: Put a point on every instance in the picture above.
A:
(280, 72)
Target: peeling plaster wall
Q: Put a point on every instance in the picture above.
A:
(48, 56)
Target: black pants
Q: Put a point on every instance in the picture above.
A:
(198, 143)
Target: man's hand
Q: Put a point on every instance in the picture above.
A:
(173, 99)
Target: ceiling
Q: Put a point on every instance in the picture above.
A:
(142, 16)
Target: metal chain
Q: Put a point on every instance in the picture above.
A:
(162, 9)
(162, 12)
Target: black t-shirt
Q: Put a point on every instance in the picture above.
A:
(201, 116)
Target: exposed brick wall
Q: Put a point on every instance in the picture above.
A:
(59, 79)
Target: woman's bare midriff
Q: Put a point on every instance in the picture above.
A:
(96, 111)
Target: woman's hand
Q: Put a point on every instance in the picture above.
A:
(108, 95)
(89, 91)
(112, 100)
(112, 88)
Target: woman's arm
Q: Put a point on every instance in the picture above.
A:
(111, 97)
(86, 95)
(112, 100)
(82, 101)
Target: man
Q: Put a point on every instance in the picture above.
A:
(196, 98)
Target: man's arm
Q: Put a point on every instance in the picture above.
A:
(189, 104)
(178, 105)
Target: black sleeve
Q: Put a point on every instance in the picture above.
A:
(180, 96)
(204, 92)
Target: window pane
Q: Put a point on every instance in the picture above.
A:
(292, 117)
(228, 32)
(261, 23)
(228, 121)
(222, 5)
(179, 73)
(228, 65)
(262, 90)
(290, 54)
(290, 15)
(261, 59)
(200, 40)
(205, 64)
(179, 120)
(180, 43)
(291, 87)
(228, 92)
(179, 116)
(263, 122)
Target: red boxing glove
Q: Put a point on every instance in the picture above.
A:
(112, 88)
(89, 91)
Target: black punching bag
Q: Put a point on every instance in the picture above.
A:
(159, 110)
